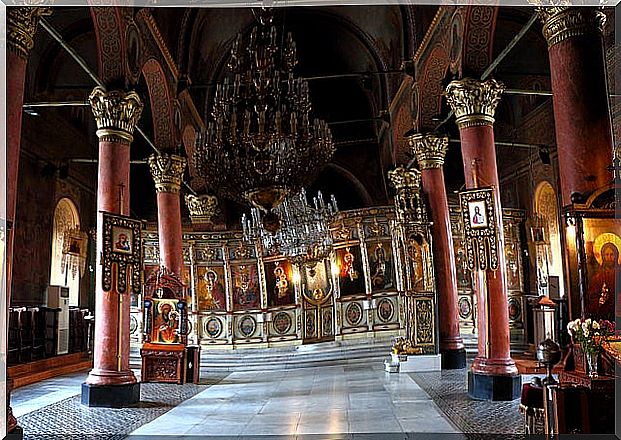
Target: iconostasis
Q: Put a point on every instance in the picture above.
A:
(238, 296)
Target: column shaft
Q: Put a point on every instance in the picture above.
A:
(21, 26)
(112, 310)
(443, 251)
(580, 98)
(116, 114)
(493, 375)
(167, 172)
(479, 157)
(430, 152)
(169, 231)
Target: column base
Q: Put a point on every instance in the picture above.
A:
(488, 387)
(453, 359)
(110, 396)
(16, 434)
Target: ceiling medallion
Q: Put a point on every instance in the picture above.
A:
(260, 144)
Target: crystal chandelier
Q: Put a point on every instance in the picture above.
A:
(304, 234)
(261, 144)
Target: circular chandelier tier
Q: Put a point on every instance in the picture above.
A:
(260, 143)
(304, 234)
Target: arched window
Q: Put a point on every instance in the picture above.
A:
(546, 207)
(66, 217)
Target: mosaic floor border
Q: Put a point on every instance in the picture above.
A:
(477, 419)
(69, 419)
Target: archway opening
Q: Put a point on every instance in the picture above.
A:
(66, 218)
(546, 208)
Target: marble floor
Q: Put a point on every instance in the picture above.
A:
(38, 395)
(324, 400)
(337, 401)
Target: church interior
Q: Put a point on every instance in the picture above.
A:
(373, 221)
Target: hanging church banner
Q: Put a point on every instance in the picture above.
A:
(480, 228)
(122, 247)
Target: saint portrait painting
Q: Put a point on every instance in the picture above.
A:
(211, 291)
(122, 240)
(380, 263)
(603, 261)
(279, 277)
(477, 214)
(351, 276)
(245, 287)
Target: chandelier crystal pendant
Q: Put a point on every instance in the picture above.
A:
(304, 234)
(260, 143)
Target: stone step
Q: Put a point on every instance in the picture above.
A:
(356, 352)
(304, 356)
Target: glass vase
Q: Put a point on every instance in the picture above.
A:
(592, 361)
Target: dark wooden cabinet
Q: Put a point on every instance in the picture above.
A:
(162, 363)
(170, 363)
(583, 405)
(192, 364)
(51, 331)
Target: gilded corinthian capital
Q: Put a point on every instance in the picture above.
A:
(562, 22)
(404, 179)
(474, 102)
(202, 208)
(21, 24)
(116, 113)
(167, 171)
(430, 150)
(409, 206)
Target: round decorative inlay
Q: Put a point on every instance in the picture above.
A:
(247, 326)
(213, 327)
(465, 308)
(353, 314)
(515, 309)
(385, 310)
(281, 322)
(310, 325)
(133, 324)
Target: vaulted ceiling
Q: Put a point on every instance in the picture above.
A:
(353, 57)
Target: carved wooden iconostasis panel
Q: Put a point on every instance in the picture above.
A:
(238, 296)
(513, 223)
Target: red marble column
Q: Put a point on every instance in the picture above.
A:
(580, 98)
(430, 152)
(167, 171)
(493, 373)
(116, 114)
(21, 27)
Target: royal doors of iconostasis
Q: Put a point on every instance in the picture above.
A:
(317, 291)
